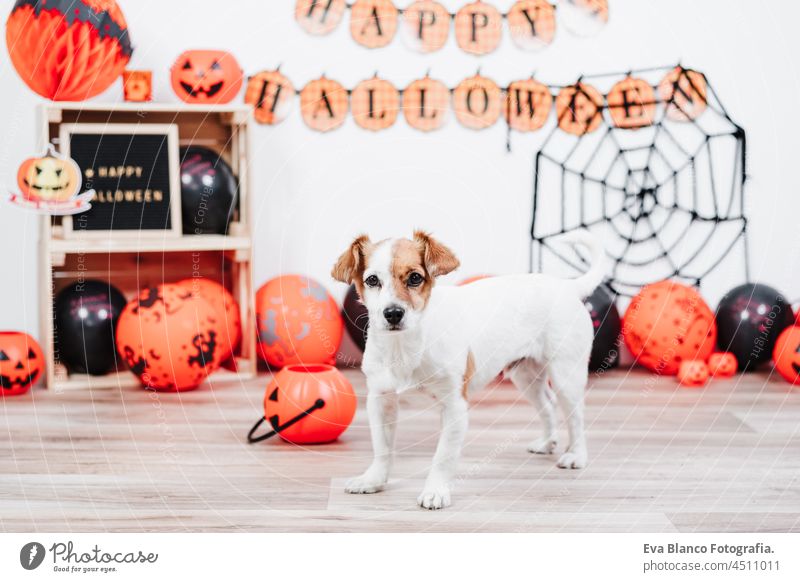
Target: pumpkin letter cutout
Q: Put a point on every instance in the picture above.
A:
(319, 16)
(426, 26)
(684, 92)
(375, 104)
(787, 354)
(138, 86)
(425, 104)
(21, 362)
(528, 105)
(579, 109)
(693, 373)
(532, 24)
(373, 23)
(584, 17)
(323, 104)
(632, 103)
(206, 76)
(478, 28)
(271, 95)
(477, 102)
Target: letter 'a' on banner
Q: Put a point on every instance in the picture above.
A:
(373, 23)
(477, 102)
(528, 105)
(583, 17)
(426, 26)
(323, 104)
(319, 16)
(271, 95)
(579, 109)
(479, 27)
(684, 92)
(631, 103)
(375, 104)
(532, 24)
(425, 104)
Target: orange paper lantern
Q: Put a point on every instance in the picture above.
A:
(528, 105)
(632, 103)
(477, 102)
(375, 104)
(317, 17)
(693, 374)
(579, 109)
(21, 363)
(323, 104)
(479, 27)
(685, 93)
(426, 25)
(425, 104)
(787, 354)
(271, 94)
(206, 77)
(373, 23)
(532, 24)
(722, 364)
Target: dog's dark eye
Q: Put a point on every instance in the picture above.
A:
(415, 280)
(372, 281)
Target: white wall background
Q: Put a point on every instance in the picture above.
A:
(313, 191)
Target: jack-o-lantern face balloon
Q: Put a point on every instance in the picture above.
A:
(49, 178)
(693, 373)
(207, 76)
(21, 362)
(787, 354)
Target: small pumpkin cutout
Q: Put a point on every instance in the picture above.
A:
(787, 354)
(138, 86)
(632, 103)
(722, 364)
(323, 104)
(317, 17)
(426, 26)
(685, 93)
(477, 102)
(375, 104)
(579, 109)
(532, 24)
(21, 363)
(49, 178)
(271, 95)
(528, 105)
(478, 28)
(206, 77)
(693, 373)
(425, 104)
(373, 23)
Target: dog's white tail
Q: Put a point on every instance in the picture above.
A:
(589, 281)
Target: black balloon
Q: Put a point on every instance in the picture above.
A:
(208, 191)
(749, 320)
(86, 315)
(607, 330)
(356, 320)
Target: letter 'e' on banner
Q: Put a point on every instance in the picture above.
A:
(631, 103)
(319, 16)
(375, 104)
(532, 24)
(479, 27)
(426, 26)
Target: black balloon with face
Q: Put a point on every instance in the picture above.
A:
(607, 330)
(750, 318)
(208, 191)
(356, 319)
(86, 315)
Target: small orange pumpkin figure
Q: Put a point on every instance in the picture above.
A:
(684, 91)
(693, 373)
(477, 102)
(722, 364)
(532, 24)
(478, 28)
(375, 104)
(425, 104)
(528, 104)
(21, 363)
(426, 25)
(137, 86)
(49, 178)
(207, 77)
(632, 103)
(579, 109)
(323, 104)
(787, 354)
(373, 23)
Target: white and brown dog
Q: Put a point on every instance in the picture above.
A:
(448, 341)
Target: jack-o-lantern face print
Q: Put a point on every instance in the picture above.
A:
(138, 86)
(271, 95)
(693, 373)
(632, 103)
(21, 363)
(532, 24)
(373, 23)
(478, 28)
(426, 26)
(787, 354)
(207, 76)
(477, 102)
(528, 105)
(425, 104)
(375, 104)
(684, 92)
(323, 104)
(579, 109)
(49, 179)
(319, 16)
(722, 364)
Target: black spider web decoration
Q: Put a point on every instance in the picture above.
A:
(666, 199)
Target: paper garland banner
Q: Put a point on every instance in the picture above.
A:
(478, 25)
(478, 102)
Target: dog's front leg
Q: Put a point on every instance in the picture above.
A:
(382, 413)
(436, 493)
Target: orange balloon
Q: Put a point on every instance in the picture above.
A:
(668, 323)
(226, 308)
(787, 354)
(472, 279)
(298, 322)
(693, 374)
(722, 364)
(21, 363)
(206, 77)
(169, 337)
(295, 390)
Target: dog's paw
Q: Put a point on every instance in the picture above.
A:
(543, 446)
(572, 460)
(436, 497)
(366, 483)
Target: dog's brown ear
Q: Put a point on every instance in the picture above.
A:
(439, 260)
(351, 264)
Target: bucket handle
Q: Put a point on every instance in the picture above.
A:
(276, 428)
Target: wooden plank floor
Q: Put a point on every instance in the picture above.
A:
(723, 458)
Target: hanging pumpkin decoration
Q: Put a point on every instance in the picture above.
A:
(137, 86)
(584, 17)
(21, 363)
(317, 17)
(426, 26)
(323, 104)
(787, 354)
(579, 109)
(271, 94)
(632, 103)
(532, 24)
(375, 104)
(373, 23)
(206, 77)
(479, 28)
(425, 104)
(528, 104)
(685, 93)
(477, 102)
(68, 50)
(49, 178)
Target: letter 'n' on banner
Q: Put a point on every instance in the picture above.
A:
(532, 24)
(477, 102)
(323, 104)
(425, 104)
(375, 104)
(684, 92)
(478, 28)
(373, 23)
(426, 26)
(528, 104)
(319, 16)
(271, 95)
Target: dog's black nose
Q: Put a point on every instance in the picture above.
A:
(394, 314)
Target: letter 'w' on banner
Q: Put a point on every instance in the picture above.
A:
(528, 105)
(373, 23)
(319, 16)
(532, 24)
(375, 104)
(271, 96)
(426, 26)
(323, 104)
(478, 28)
(425, 104)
